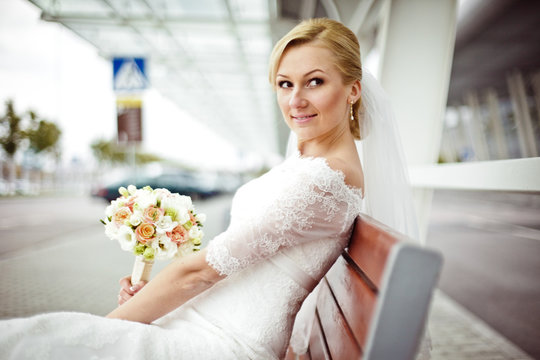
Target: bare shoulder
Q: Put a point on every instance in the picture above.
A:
(352, 170)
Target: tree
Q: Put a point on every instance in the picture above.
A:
(43, 135)
(11, 138)
(108, 151)
(12, 133)
(18, 131)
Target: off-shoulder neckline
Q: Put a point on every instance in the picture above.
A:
(341, 174)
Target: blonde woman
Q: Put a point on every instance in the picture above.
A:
(238, 298)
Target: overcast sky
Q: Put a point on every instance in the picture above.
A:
(47, 68)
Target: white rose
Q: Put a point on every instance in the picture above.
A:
(165, 225)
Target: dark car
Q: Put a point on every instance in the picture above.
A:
(194, 185)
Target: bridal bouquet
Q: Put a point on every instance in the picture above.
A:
(153, 224)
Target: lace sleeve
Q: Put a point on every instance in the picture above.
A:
(310, 205)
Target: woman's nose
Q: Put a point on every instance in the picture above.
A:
(297, 100)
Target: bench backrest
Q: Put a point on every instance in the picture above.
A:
(374, 301)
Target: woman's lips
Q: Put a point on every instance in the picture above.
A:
(303, 119)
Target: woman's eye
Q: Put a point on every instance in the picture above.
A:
(315, 82)
(284, 84)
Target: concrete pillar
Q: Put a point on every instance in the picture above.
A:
(535, 81)
(451, 142)
(522, 116)
(416, 59)
(478, 130)
(467, 132)
(495, 120)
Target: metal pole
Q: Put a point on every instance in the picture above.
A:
(132, 148)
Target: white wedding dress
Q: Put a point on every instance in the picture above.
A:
(287, 229)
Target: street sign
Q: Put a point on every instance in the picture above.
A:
(129, 115)
(129, 74)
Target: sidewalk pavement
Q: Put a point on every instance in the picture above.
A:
(458, 334)
(80, 274)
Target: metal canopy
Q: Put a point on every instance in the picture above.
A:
(208, 56)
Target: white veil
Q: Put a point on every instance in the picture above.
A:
(387, 193)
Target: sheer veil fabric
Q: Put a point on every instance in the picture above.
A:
(387, 193)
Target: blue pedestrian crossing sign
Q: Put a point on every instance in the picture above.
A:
(129, 74)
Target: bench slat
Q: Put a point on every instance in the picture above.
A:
(317, 343)
(369, 246)
(355, 298)
(339, 338)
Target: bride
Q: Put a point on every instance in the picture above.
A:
(239, 297)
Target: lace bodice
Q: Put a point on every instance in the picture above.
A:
(300, 201)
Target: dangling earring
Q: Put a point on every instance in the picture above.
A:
(352, 112)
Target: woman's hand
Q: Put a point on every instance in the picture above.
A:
(180, 281)
(127, 290)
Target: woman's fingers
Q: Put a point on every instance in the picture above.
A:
(125, 284)
(127, 290)
(123, 297)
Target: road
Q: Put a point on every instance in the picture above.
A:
(28, 224)
(491, 245)
(54, 255)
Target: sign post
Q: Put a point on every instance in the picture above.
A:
(129, 119)
(129, 81)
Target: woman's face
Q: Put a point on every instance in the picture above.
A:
(313, 99)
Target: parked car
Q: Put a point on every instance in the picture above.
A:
(184, 183)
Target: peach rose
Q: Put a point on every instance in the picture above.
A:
(145, 232)
(121, 215)
(153, 214)
(178, 235)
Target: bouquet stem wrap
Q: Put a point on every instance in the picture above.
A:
(141, 270)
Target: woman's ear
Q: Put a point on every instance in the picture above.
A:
(356, 91)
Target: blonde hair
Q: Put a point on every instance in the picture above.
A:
(337, 38)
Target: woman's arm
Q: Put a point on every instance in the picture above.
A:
(176, 284)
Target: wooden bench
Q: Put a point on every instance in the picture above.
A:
(374, 301)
